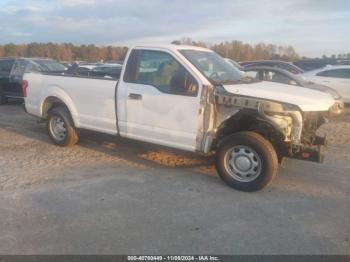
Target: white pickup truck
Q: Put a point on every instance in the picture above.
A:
(188, 98)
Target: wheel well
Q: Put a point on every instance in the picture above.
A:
(250, 121)
(50, 103)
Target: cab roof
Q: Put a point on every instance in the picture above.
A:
(173, 47)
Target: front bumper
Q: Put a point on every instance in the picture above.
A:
(311, 146)
(313, 153)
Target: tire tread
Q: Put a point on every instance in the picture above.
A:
(72, 134)
(263, 145)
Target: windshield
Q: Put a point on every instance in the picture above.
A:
(213, 66)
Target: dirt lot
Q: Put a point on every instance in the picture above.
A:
(113, 196)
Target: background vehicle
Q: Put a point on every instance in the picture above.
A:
(66, 64)
(336, 77)
(234, 63)
(312, 64)
(95, 70)
(189, 98)
(119, 62)
(107, 70)
(79, 69)
(12, 70)
(274, 74)
(273, 63)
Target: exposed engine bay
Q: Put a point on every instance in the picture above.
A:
(291, 131)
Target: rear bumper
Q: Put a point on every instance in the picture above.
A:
(313, 154)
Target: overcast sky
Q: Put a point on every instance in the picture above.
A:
(312, 27)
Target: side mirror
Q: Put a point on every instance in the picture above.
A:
(183, 83)
(178, 81)
(191, 85)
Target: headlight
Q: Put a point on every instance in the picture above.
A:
(337, 108)
(285, 117)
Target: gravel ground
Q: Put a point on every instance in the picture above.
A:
(109, 195)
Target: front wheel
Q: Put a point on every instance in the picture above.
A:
(61, 128)
(246, 161)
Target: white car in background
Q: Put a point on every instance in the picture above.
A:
(336, 77)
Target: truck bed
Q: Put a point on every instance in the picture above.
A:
(78, 76)
(81, 95)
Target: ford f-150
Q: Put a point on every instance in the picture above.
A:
(188, 98)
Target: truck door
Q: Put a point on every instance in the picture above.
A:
(162, 100)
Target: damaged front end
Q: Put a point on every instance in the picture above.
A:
(291, 131)
(311, 145)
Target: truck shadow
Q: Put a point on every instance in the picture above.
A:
(141, 152)
(14, 119)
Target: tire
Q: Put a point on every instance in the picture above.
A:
(3, 100)
(60, 127)
(246, 161)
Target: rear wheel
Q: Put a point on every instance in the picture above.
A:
(61, 128)
(246, 161)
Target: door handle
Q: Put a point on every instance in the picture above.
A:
(135, 96)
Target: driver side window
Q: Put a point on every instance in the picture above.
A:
(162, 71)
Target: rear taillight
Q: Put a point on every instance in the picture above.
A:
(24, 88)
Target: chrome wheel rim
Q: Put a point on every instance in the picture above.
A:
(58, 128)
(243, 163)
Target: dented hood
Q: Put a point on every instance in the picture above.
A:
(306, 99)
